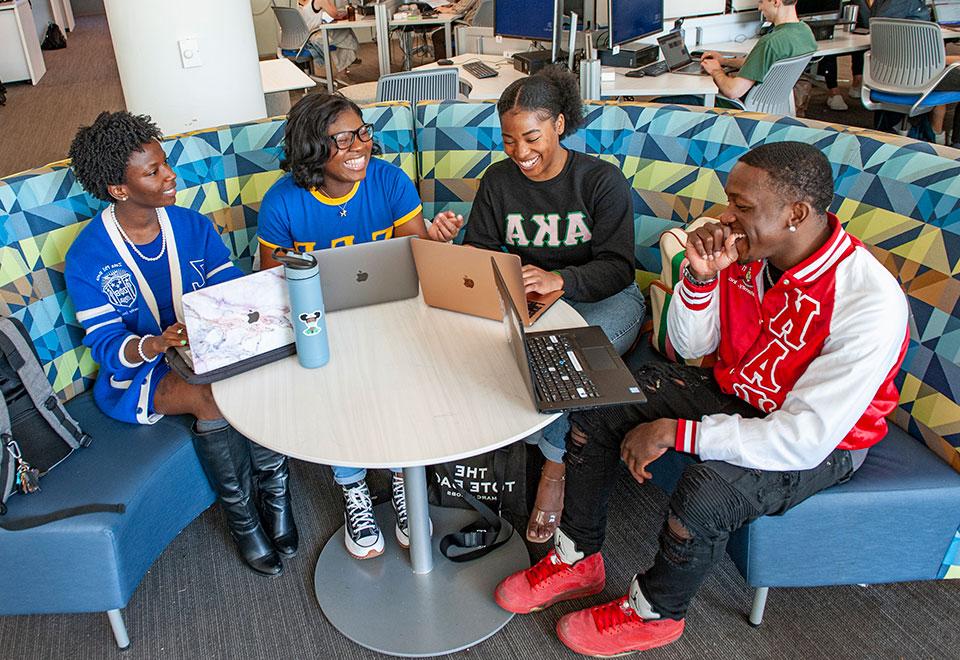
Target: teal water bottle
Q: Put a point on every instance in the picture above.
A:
(306, 307)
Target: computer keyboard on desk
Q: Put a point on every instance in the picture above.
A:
(654, 69)
(480, 70)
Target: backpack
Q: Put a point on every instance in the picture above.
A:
(53, 38)
(3, 93)
(673, 256)
(36, 432)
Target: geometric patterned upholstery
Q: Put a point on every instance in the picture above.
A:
(222, 173)
(900, 196)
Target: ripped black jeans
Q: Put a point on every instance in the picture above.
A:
(712, 499)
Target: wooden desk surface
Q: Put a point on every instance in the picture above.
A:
(406, 385)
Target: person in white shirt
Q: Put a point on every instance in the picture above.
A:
(344, 43)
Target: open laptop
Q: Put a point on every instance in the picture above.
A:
(947, 14)
(367, 274)
(459, 278)
(677, 57)
(234, 326)
(566, 369)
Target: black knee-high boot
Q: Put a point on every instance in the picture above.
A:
(272, 474)
(225, 457)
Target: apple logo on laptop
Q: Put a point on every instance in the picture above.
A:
(362, 276)
(253, 317)
(467, 282)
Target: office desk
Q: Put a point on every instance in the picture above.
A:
(278, 77)
(667, 84)
(482, 88)
(20, 54)
(443, 19)
(407, 385)
(841, 44)
(368, 22)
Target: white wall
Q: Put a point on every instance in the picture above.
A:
(677, 8)
(225, 89)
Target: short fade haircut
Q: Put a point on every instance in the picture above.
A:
(99, 153)
(798, 170)
(306, 145)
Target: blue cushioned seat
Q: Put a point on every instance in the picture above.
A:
(842, 535)
(932, 99)
(94, 562)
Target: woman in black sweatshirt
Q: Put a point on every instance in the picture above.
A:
(569, 217)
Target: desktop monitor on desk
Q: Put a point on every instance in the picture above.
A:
(633, 19)
(822, 8)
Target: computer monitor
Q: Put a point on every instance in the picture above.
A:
(818, 7)
(633, 19)
(523, 19)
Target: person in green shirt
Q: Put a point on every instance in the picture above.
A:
(789, 38)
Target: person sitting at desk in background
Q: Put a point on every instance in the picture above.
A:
(334, 194)
(809, 331)
(913, 9)
(126, 273)
(569, 217)
(789, 38)
(344, 39)
(469, 10)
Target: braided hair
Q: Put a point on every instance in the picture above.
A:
(551, 92)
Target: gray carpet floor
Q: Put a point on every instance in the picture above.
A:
(198, 601)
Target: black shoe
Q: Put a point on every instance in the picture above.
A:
(272, 474)
(225, 457)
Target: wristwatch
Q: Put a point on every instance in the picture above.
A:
(687, 274)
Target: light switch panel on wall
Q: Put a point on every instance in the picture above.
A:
(190, 53)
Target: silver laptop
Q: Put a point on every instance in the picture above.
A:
(678, 58)
(367, 273)
(236, 326)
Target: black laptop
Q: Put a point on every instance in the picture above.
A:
(570, 368)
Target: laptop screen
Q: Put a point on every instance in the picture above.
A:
(514, 330)
(674, 50)
(947, 13)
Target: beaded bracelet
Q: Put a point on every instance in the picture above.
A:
(140, 349)
(693, 280)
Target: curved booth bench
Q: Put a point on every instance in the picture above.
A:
(896, 520)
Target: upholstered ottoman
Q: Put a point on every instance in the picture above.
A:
(94, 562)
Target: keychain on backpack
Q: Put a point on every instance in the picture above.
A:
(28, 478)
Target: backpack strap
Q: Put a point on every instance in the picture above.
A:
(16, 347)
(6, 481)
(478, 538)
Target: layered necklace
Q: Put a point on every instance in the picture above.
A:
(343, 207)
(123, 234)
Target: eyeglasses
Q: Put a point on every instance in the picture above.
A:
(345, 139)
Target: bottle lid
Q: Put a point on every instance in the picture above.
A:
(295, 260)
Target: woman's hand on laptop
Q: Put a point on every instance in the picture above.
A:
(537, 280)
(175, 335)
(445, 226)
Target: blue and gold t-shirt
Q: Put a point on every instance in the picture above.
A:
(309, 220)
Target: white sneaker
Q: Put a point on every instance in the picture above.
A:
(399, 497)
(856, 93)
(836, 102)
(361, 534)
(940, 138)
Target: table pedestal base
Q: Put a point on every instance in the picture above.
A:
(382, 605)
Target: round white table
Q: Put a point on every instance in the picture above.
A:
(407, 386)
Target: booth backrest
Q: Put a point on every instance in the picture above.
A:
(900, 196)
(222, 173)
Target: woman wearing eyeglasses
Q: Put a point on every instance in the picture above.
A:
(335, 194)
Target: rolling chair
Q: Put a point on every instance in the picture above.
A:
(294, 37)
(415, 86)
(905, 69)
(775, 94)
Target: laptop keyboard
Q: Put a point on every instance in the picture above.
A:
(554, 367)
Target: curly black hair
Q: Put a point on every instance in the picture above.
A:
(799, 171)
(307, 145)
(99, 153)
(551, 92)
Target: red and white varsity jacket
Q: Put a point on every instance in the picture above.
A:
(818, 352)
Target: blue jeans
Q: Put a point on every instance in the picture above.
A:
(345, 476)
(620, 317)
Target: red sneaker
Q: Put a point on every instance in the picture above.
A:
(549, 581)
(614, 629)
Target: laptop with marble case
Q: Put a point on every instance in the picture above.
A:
(234, 326)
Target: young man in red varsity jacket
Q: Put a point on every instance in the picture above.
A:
(809, 331)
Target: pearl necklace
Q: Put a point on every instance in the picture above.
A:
(343, 207)
(163, 236)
